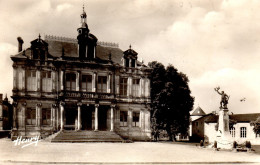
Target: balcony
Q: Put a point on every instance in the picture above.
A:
(87, 95)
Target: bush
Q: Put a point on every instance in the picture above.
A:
(201, 143)
(215, 144)
(248, 144)
(234, 144)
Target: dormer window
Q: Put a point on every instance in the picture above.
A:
(130, 57)
(39, 49)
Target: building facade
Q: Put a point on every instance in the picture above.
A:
(205, 128)
(80, 84)
(197, 113)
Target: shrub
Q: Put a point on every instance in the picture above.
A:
(234, 144)
(248, 144)
(215, 144)
(201, 143)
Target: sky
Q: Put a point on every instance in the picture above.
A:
(214, 42)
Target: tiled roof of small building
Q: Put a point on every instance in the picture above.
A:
(245, 117)
(237, 117)
(198, 112)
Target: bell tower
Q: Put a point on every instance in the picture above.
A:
(82, 37)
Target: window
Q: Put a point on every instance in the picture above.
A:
(126, 62)
(102, 84)
(86, 84)
(71, 81)
(232, 132)
(243, 132)
(20, 80)
(123, 86)
(133, 63)
(30, 116)
(31, 80)
(123, 118)
(46, 81)
(135, 122)
(46, 116)
(136, 87)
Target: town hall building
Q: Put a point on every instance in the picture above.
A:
(79, 84)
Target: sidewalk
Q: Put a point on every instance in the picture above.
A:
(115, 153)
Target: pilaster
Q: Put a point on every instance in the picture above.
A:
(15, 115)
(62, 115)
(130, 118)
(38, 80)
(96, 117)
(15, 77)
(61, 80)
(94, 82)
(53, 110)
(148, 87)
(53, 78)
(79, 115)
(23, 78)
(23, 114)
(38, 114)
(129, 86)
(77, 81)
(112, 117)
(109, 83)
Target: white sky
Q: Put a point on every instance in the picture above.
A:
(214, 42)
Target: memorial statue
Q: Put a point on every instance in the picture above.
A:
(224, 98)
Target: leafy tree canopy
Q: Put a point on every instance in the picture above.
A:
(171, 99)
(256, 125)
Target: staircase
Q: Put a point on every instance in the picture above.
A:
(87, 136)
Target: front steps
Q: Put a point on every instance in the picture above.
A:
(87, 136)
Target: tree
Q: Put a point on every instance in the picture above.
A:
(157, 85)
(256, 125)
(171, 99)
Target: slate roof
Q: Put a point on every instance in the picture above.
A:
(198, 112)
(71, 50)
(237, 117)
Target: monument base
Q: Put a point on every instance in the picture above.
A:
(224, 140)
(224, 143)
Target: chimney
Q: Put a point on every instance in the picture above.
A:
(1, 97)
(20, 44)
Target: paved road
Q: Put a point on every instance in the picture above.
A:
(114, 153)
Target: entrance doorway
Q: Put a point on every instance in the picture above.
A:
(70, 116)
(87, 117)
(102, 118)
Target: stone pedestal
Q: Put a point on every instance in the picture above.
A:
(224, 140)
